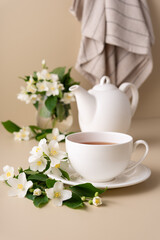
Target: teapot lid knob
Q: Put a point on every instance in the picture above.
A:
(104, 85)
(105, 80)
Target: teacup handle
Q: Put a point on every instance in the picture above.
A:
(134, 165)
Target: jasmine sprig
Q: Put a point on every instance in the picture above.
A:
(38, 183)
(33, 132)
(96, 200)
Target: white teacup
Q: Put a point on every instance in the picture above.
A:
(99, 162)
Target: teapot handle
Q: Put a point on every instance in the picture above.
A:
(135, 96)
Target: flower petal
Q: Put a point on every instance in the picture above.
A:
(49, 193)
(41, 167)
(61, 155)
(13, 182)
(54, 161)
(28, 185)
(58, 187)
(57, 202)
(53, 144)
(55, 131)
(42, 142)
(33, 166)
(5, 168)
(22, 178)
(56, 172)
(2, 177)
(12, 192)
(22, 194)
(60, 137)
(49, 136)
(64, 165)
(66, 194)
(32, 158)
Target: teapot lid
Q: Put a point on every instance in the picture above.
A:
(105, 84)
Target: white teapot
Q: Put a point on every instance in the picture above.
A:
(105, 107)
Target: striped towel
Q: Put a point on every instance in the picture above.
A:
(116, 40)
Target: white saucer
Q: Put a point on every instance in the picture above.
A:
(138, 175)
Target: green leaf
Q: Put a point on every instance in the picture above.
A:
(50, 103)
(36, 104)
(68, 81)
(60, 94)
(39, 177)
(60, 111)
(11, 126)
(74, 202)
(30, 172)
(44, 112)
(48, 130)
(50, 182)
(35, 76)
(40, 136)
(59, 71)
(43, 134)
(30, 196)
(7, 183)
(65, 174)
(35, 129)
(67, 107)
(26, 78)
(40, 201)
(86, 189)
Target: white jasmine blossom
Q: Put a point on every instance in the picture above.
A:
(42, 147)
(43, 62)
(61, 86)
(55, 154)
(17, 136)
(37, 192)
(19, 186)
(23, 96)
(42, 86)
(55, 135)
(8, 173)
(31, 87)
(44, 75)
(34, 98)
(97, 201)
(54, 77)
(24, 134)
(54, 172)
(37, 163)
(31, 80)
(57, 194)
(52, 89)
(68, 98)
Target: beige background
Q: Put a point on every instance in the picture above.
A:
(32, 30)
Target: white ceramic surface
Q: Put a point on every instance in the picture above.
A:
(105, 107)
(99, 163)
(138, 175)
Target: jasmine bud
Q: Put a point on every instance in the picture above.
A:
(96, 194)
(83, 198)
(31, 190)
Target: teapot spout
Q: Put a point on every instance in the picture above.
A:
(86, 104)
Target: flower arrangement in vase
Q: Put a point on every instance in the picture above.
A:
(49, 93)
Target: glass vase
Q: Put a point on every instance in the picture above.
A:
(44, 120)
